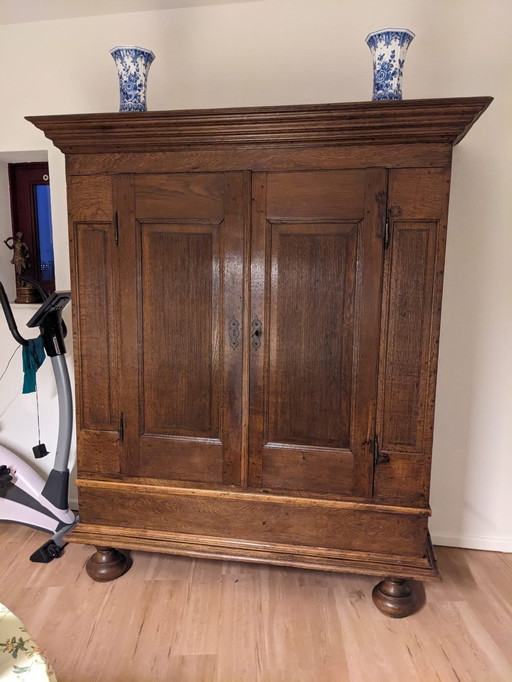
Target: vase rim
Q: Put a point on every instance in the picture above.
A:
(132, 47)
(386, 30)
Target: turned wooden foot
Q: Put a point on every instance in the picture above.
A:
(106, 564)
(394, 598)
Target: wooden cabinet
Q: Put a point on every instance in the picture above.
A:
(257, 297)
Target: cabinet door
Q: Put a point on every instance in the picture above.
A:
(182, 288)
(316, 261)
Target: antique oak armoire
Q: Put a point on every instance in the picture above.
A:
(256, 310)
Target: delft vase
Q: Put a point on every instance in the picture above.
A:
(388, 47)
(132, 64)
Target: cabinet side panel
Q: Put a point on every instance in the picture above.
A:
(94, 293)
(95, 315)
(407, 354)
(411, 310)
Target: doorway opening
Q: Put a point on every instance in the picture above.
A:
(29, 185)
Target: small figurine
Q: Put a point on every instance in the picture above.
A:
(25, 293)
(20, 257)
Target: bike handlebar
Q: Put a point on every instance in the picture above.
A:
(10, 317)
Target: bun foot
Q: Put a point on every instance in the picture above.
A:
(394, 598)
(106, 564)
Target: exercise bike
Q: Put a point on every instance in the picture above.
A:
(25, 496)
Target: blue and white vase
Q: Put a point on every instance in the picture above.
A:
(132, 64)
(388, 47)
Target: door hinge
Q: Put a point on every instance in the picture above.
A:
(116, 228)
(378, 456)
(121, 427)
(234, 333)
(387, 229)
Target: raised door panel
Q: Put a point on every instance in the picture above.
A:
(418, 201)
(94, 271)
(316, 278)
(180, 295)
(312, 281)
(183, 400)
(410, 289)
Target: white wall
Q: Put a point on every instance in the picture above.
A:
(263, 52)
(18, 413)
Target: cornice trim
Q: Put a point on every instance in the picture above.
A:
(389, 122)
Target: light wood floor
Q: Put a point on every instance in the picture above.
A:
(185, 620)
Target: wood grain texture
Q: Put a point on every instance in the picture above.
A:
(346, 561)
(414, 249)
(180, 300)
(313, 196)
(98, 369)
(130, 324)
(412, 289)
(178, 619)
(442, 120)
(150, 485)
(186, 243)
(252, 517)
(215, 160)
(317, 254)
(312, 312)
(181, 196)
(94, 277)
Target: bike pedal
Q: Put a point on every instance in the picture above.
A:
(47, 552)
(5, 476)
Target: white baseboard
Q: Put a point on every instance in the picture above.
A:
(473, 542)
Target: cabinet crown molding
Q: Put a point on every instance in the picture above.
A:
(389, 122)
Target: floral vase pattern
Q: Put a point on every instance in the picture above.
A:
(388, 47)
(132, 64)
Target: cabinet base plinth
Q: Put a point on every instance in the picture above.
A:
(324, 559)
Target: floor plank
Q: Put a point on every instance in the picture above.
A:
(189, 620)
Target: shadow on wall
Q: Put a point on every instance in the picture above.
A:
(464, 392)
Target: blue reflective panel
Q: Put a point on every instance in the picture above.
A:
(44, 228)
